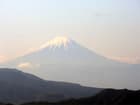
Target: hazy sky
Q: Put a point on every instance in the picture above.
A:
(108, 27)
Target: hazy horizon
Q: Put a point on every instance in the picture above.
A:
(110, 28)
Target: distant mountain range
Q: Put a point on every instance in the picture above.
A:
(20, 87)
(63, 59)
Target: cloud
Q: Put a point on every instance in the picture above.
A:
(28, 65)
(25, 65)
(129, 60)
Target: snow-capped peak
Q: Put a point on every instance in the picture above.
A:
(57, 42)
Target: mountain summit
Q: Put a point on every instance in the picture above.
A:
(57, 42)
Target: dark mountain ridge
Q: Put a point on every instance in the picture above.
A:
(19, 87)
(105, 97)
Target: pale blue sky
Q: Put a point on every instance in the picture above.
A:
(109, 27)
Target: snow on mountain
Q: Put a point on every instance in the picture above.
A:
(57, 42)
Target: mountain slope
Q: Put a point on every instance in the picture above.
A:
(114, 97)
(63, 59)
(18, 87)
(105, 97)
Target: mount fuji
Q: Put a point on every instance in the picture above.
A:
(63, 59)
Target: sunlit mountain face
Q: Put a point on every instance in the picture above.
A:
(63, 59)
